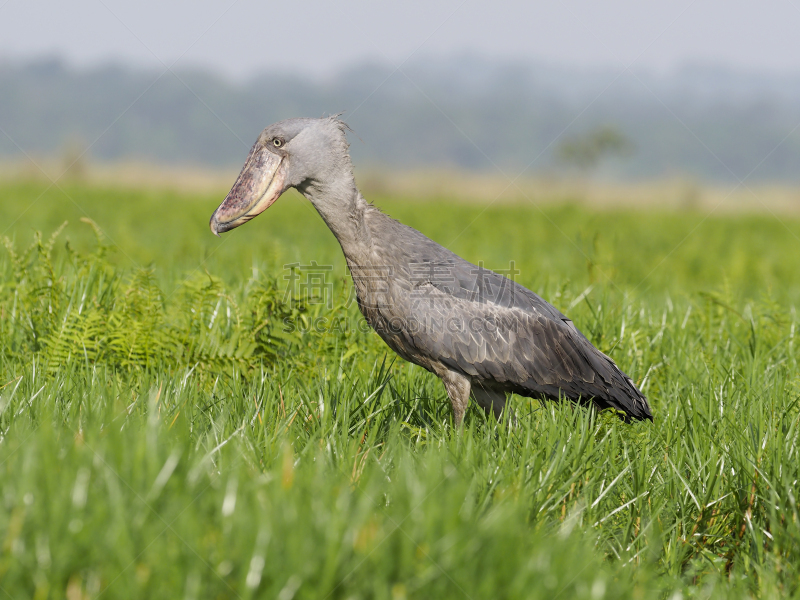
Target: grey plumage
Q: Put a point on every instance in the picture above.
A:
(483, 334)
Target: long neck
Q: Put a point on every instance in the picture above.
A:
(343, 209)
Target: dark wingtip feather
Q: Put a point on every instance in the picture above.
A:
(632, 402)
(625, 398)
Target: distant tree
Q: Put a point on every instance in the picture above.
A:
(586, 151)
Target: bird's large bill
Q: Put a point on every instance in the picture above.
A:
(259, 184)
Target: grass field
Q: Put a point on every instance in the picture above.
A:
(173, 423)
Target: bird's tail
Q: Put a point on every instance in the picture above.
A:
(625, 397)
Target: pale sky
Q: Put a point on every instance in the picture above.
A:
(241, 37)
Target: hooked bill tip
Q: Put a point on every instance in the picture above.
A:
(212, 224)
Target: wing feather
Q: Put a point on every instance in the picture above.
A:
(516, 339)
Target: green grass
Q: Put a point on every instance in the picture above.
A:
(164, 433)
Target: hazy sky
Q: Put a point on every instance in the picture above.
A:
(243, 36)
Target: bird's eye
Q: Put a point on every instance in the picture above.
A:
(277, 142)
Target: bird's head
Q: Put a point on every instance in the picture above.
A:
(299, 153)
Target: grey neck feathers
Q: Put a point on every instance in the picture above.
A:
(344, 211)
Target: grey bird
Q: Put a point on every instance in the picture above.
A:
(482, 334)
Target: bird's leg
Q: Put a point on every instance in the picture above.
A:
(491, 401)
(457, 386)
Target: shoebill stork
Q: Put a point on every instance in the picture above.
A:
(482, 334)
